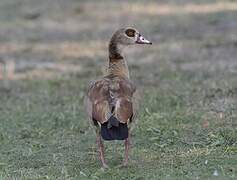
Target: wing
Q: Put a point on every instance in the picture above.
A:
(108, 97)
(97, 101)
(124, 105)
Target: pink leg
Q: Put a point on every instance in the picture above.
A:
(101, 151)
(127, 147)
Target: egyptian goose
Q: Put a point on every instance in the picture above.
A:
(109, 100)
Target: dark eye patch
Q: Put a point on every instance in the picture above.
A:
(130, 32)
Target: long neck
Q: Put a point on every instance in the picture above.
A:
(117, 63)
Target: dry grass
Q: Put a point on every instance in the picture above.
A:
(172, 9)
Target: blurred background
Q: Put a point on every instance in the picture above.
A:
(51, 49)
(52, 38)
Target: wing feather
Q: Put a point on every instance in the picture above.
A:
(108, 97)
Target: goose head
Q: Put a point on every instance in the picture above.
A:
(129, 36)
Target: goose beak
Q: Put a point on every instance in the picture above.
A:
(142, 40)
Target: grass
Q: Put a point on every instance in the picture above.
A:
(44, 134)
(187, 126)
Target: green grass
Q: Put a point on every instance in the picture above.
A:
(44, 133)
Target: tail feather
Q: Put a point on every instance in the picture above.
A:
(114, 130)
(113, 121)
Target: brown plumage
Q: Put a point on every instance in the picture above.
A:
(111, 100)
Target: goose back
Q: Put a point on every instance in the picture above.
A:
(111, 96)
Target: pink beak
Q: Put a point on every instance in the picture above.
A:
(142, 40)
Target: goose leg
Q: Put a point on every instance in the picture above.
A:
(127, 148)
(101, 151)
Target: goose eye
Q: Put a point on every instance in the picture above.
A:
(130, 32)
